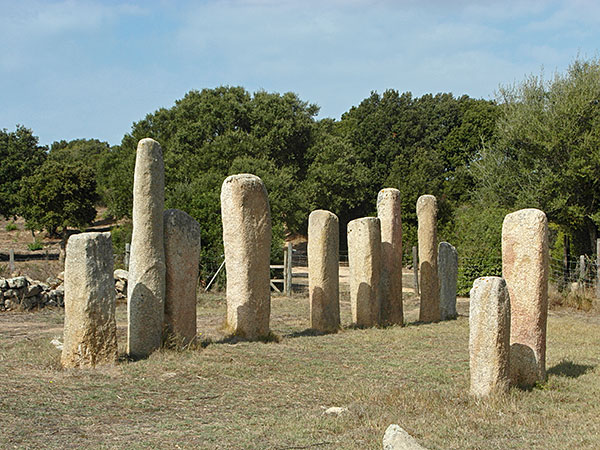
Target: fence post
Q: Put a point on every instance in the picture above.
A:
(566, 251)
(285, 264)
(126, 258)
(11, 261)
(598, 268)
(287, 276)
(415, 256)
(582, 272)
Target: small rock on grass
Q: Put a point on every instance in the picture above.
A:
(335, 410)
(396, 438)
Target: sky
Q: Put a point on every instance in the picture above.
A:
(90, 69)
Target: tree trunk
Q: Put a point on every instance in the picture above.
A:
(63, 246)
(593, 234)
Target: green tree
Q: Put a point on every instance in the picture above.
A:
(548, 150)
(20, 156)
(58, 195)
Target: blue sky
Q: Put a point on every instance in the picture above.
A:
(89, 69)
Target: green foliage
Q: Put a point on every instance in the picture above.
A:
(10, 226)
(478, 241)
(419, 146)
(20, 155)
(546, 155)
(58, 195)
(35, 245)
(115, 180)
(121, 235)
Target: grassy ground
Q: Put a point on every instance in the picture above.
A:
(272, 395)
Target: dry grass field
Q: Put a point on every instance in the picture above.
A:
(226, 395)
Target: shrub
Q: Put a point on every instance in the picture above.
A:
(35, 245)
(11, 226)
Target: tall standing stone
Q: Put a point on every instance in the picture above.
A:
(146, 285)
(323, 270)
(182, 258)
(364, 259)
(247, 240)
(427, 234)
(90, 331)
(448, 277)
(390, 289)
(525, 269)
(489, 336)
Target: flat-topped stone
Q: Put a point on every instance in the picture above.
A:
(389, 209)
(90, 330)
(364, 259)
(323, 271)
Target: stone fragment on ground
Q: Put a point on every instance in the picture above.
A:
(396, 438)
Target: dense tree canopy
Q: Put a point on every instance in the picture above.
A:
(547, 153)
(20, 156)
(58, 195)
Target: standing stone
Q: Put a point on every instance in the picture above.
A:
(390, 288)
(90, 330)
(364, 259)
(247, 241)
(146, 286)
(182, 258)
(448, 277)
(525, 269)
(323, 270)
(427, 234)
(489, 336)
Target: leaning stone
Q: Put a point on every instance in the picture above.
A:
(396, 438)
(90, 331)
(427, 234)
(364, 259)
(448, 277)
(146, 287)
(247, 241)
(323, 270)
(489, 336)
(182, 258)
(390, 288)
(525, 269)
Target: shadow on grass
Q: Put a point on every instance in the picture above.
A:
(569, 369)
(309, 332)
(235, 338)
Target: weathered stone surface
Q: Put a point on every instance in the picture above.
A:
(90, 331)
(146, 284)
(323, 270)
(427, 234)
(390, 288)
(364, 258)
(247, 240)
(448, 277)
(121, 274)
(396, 438)
(525, 269)
(182, 257)
(489, 336)
(17, 282)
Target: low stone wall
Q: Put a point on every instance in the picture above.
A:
(24, 293)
